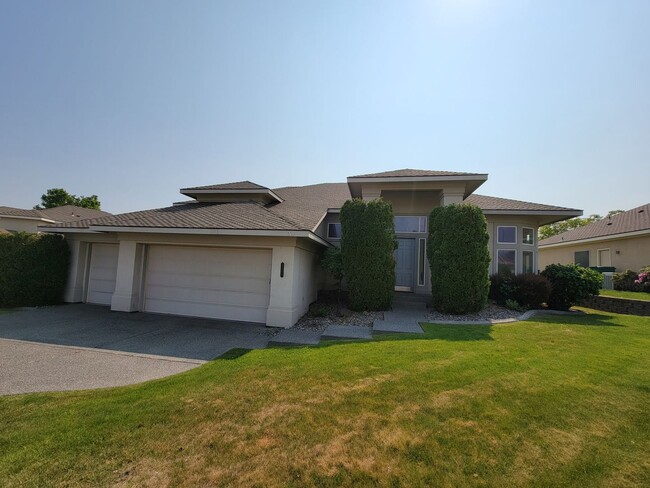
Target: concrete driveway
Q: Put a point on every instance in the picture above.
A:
(86, 346)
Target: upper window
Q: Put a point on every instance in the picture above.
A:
(527, 235)
(334, 231)
(581, 258)
(507, 234)
(410, 224)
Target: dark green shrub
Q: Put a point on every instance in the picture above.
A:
(625, 281)
(532, 290)
(528, 290)
(459, 258)
(367, 245)
(570, 284)
(332, 262)
(33, 269)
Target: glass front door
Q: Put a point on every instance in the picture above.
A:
(405, 265)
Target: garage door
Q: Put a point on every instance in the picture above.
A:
(102, 274)
(232, 284)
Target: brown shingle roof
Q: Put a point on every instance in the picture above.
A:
(637, 219)
(495, 203)
(399, 173)
(237, 185)
(64, 213)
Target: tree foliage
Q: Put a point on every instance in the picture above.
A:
(57, 197)
(550, 230)
(33, 269)
(367, 245)
(459, 258)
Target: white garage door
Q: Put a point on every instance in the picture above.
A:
(103, 271)
(231, 284)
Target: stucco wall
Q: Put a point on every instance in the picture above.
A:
(20, 225)
(520, 222)
(630, 253)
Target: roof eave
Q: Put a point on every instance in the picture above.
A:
(266, 192)
(621, 235)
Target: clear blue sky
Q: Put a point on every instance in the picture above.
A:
(131, 100)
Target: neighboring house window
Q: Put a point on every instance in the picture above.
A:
(333, 231)
(507, 234)
(422, 253)
(407, 225)
(506, 261)
(527, 262)
(528, 235)
(581, 258)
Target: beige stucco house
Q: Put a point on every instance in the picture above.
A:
(621, 241)
(242, 251)
(27, 220)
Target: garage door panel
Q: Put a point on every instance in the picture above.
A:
(232, 284)
(102, 273)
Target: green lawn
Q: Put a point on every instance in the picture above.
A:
(636, 295)
(551, 402)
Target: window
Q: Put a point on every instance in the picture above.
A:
(506, 261)
(527, 262)
(581, 258)
(528, 235)
(410, 224)
(507, 234)
(334, 231)
(422, 262)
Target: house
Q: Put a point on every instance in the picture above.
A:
(23, 220)
(621, 241)
(242, 251)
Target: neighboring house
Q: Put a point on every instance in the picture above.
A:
(621, 241)
(23, 220)
(242, 251)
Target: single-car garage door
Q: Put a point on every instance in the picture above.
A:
(232, 284)
(102, 274)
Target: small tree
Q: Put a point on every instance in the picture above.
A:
(459, 258)
(332, 261)
(57, 197)
(570, 284)
(367, 245)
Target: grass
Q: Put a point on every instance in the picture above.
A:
(635, 295)
(550, 402)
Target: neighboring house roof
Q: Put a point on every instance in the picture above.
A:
(407, 172)
(635, 220)
(65, 213)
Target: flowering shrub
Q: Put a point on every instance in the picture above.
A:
(643, 281)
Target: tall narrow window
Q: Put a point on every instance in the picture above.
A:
(422, 260)
(528, 235)
(527, 262)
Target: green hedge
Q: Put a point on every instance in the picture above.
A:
(33, 269)
(570, 284)
(459, 258)
(367, 245)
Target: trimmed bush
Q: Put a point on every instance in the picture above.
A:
(625, 281)
(570, 284)
(528, 290)
(459, 258)
(33, 269)
(367, 245)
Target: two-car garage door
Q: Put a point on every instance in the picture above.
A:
(232, 284)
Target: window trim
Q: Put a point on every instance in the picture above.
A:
(522, 236)
(506, 226)
(422, 259)
(522, 260)
(334, 238)
(497, 260)
(598, 263)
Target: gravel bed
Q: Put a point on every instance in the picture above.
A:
(491, 312)
(357, 319)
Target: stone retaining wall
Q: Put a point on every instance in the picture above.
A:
(618, 305)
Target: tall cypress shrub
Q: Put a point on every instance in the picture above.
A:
(33, 269)
(459, 258)
(367, 245)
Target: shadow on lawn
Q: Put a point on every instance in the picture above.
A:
(588, 319)
(458, 332)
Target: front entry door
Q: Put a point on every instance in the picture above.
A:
(405, 264)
